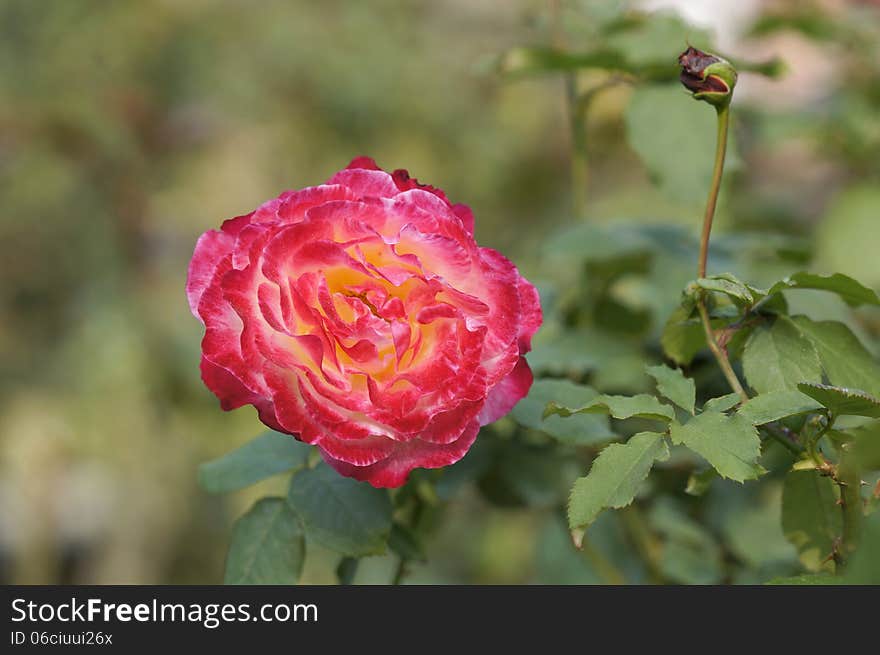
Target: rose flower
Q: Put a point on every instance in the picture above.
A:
(362, 317)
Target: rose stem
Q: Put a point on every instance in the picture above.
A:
(849, 482)
(718, 170)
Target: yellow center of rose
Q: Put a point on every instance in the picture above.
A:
(350, 288)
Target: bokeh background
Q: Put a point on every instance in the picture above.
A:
(128, 128)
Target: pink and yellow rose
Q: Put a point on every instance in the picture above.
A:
(362, 317)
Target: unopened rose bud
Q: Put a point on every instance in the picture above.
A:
(707, 76)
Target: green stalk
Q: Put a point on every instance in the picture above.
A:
(849, 482)
(717, 172)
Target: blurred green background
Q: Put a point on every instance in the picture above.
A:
(128, 128)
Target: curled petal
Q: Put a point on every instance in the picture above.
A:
(211, 248)
(507, 393)
(531, 315)
(394, 469)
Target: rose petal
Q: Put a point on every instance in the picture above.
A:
(531, 315)
(395, 469)
(211, 248)
(507, 393)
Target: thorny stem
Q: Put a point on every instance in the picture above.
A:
(719, 353)
(849, 482)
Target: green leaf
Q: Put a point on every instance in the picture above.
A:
(846, 237)
(531, 60)
(614, 477)
(811, 518)
(405, 544)
(722, 403)
(620, 407)
(578, 430)
(267, 455)
(751, 527)
(672, 384)
(845, 360)
(776, 405)
(675, 140)
(729, 443)
(647, 38)
(267, 545)
(730, 286)
(842, 401)
(807, 579)
(866, 445)
(864, 565)
(342, 514)
(779, 357)
(852, 292)
(682, 337)
(699, 483)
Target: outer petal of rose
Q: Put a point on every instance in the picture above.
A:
(366, 183)
(501, 280)
(466, 215)
(250, 241)
(357, 452)
(295, 204)
(507, 393)
(233, 394)
(394, 470)
(234, 226)
(367, 163)
(228, 342)
(211, 248)
(447, 427)
(404, 182)
(531, 315)
(431, 215)
(228, 388)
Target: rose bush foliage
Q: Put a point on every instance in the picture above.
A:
(362, 317)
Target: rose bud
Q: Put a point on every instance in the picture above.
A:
(707, 76)
(362, 317)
